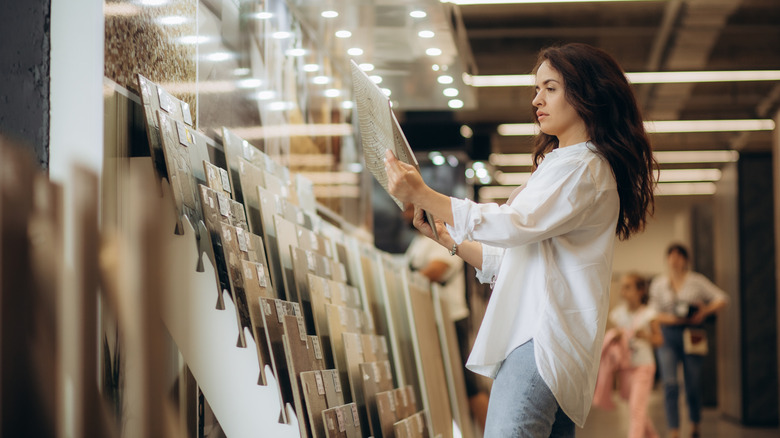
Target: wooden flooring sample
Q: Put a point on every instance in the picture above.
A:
(386, 414)
(274, 311)
(333, 391)
(302, 355)
(316, 401)
(250, 178)
(334, 422)
(377, 377)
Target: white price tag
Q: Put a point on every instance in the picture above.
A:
(261, 275)
(225, 180)
(224, 205)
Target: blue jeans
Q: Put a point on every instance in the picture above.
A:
(521, 405)
(669, 355)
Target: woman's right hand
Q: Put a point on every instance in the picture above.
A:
(421, 223)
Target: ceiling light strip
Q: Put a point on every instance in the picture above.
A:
(488, 193)
(660, 77)
(512, 2)
(663, 157)
(664, 126)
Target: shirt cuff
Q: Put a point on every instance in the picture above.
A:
(465, 216)
(491, 261)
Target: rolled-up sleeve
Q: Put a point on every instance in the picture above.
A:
(547, 207)
(491, 261)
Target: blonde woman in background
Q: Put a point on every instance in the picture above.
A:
(628, 352)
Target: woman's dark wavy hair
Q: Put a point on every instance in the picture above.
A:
(597, 88)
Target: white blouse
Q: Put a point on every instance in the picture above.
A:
(549, 257)
(696, 290)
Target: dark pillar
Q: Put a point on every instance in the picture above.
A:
(24, 74)
(758, 297)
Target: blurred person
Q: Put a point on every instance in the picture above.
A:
(548, 250)
(628, 353)
(683, 299)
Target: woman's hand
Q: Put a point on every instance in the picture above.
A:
(420, 222)
(403, 180)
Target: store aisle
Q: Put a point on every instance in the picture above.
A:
(614, 424)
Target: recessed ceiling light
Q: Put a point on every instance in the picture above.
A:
(311, 68)
(219, 56)
(332, 92)
(376, 79)
(366, 66)
(445, 79)
(260, 15)
(295, 52)
(450, 92)
(249, 83)
(355, 51)
(265, 95)
(347, 104)
(281, 35)
(343, 34)
(320, 80)
(425, 34)
(433, 51)
(329, 14)
(172, 20)
(194, 39)
(455, 103)
(387, 92)
(418, 14)
(280, 106)
(242, 71)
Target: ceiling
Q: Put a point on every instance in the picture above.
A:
(644, 36)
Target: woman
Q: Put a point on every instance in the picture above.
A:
(682, 299)
(628, 351)
(548, 251)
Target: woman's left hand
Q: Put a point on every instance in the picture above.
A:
(403, 180)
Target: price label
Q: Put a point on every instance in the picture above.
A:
(377, 374)
(310, 261)
(355, 419)
(317, 348)
(320, 383)
(279, 311)
(225, 180)
(327, 269)
(301, 329)
(340, 419)
(261, 276)
(224, 205)
(326, 290)
(336, 382)
(242, 240)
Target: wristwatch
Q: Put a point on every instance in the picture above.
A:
(454, 249)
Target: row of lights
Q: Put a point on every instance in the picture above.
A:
(444, 79)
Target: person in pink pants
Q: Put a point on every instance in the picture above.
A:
(628, 353)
